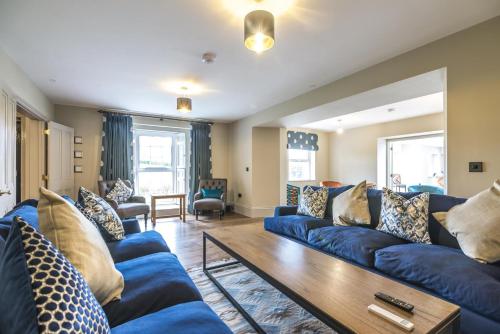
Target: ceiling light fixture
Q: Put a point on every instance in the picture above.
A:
(259, 31)
(340, 129)
(184, 103)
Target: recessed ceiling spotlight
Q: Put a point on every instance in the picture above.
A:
(52, 80)
(208, 57)
(391, 109)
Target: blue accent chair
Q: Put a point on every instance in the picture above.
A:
(158, 297)
(440, 269)
(422, 188)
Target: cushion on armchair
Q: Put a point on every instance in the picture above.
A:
(120, 192)
(211, 193)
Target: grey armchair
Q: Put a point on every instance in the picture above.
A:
(135, 206)
(211, 204)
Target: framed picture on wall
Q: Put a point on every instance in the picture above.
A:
(78, 140)
(78, 169)
(78, 154)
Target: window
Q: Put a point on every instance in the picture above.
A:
(160, 162)
(301, 165)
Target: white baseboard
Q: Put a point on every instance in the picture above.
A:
(253, 212)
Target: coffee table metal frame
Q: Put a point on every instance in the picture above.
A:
(316, 312)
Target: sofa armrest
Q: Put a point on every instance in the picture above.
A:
(197, 196)
(286, 210)
(113, 203)
(137, 199)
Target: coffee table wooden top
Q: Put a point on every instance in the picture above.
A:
(341, 290)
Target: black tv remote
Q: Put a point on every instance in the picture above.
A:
(395, 302)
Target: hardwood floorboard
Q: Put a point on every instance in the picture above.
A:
(186, 239)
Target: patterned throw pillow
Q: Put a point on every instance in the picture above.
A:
(99, 212)
(51, 296)
(313, 202)
(405, 218)
(120, 192)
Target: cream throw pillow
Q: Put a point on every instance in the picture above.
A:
(476, 224)
(80, 241)
(351, 207)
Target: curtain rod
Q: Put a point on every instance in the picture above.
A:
(160, 117)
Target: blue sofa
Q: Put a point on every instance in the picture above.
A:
(159, 296)
(440, 269)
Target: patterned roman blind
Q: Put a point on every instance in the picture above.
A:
(302, 141)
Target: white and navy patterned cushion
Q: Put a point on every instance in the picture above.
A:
(405, 218)
(313, 202)
(63, 300)
(99, 212)
(120, 192)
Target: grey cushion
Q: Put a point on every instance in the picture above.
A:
(132, 209)
(208, 204)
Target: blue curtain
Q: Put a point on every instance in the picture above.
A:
(201, 158)
(117, 150)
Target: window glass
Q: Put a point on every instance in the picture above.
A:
(301, 165)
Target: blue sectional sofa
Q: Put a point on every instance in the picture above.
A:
(441, 269)
(159, 296)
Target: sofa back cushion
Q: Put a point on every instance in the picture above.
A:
(437, 203)
(27, 212)
(332, 193)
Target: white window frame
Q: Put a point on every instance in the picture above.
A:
(160, 133)
(311, 159)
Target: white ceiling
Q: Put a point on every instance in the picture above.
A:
(419, 106)
(120, 53)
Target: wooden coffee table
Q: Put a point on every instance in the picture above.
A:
(336, 292)
(182, 207)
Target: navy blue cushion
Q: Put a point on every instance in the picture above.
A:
(19, 314)
(27, 212)
(295, 226)
(131, 225)
(137, 245)
(152, 282)
(447, 272)
(332, 193)
(440, 235)
(354, 243)
(187, 318)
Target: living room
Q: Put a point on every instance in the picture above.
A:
(271, 147)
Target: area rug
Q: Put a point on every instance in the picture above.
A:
(272, 310)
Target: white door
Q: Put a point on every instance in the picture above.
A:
(32, 157)
(7, 153)
(60, 159)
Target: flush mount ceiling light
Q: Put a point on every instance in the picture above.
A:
(259, 31)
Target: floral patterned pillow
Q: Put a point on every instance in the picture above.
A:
(99, 212)
(313, 202)
(405, 218)
(120, 192)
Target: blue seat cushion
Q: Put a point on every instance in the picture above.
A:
(447, 272)
(295, 226)
(188, 318)
(137, 245)
(354, 243)
(152, 282)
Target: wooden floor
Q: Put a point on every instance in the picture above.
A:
(185, 239)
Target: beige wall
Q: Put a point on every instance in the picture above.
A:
(353, 154)
(19, 85)
(471, 58)
(87, 123)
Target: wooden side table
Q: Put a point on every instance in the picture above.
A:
(182, 207)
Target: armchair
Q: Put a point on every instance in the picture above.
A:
(211, 204)
(134, 206)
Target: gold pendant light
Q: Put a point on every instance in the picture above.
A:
(184, 105)
(259, 31)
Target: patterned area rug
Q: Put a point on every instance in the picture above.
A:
(272, 310)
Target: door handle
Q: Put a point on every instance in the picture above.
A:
(7, 192)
